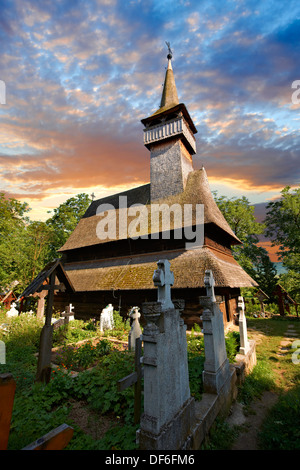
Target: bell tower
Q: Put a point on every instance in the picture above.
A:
(169, 135)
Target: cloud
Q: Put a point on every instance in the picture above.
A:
(79, 80)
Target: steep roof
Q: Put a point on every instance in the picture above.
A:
(135, 272)
(37, 284)
(169, 97)
(197, 191)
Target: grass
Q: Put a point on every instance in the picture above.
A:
(273, 372)
(39, 408)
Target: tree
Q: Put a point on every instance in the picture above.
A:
(24, 245)
(240, 216)
(12, 229)
(283, 225)
(283, 228)
(37, 242)
(254, 259)
(65, 219)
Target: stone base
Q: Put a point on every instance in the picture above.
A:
(214, 381)
(174, 435)
(211, 406)
(245, 362)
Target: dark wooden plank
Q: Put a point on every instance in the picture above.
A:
(57, 439)
(127, 381)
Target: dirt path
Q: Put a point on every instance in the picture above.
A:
(247, 440)
(251, 424)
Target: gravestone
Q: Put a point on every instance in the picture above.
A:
(216, 366)
(244, 343)
(136, 330)
(168, 407)
(12, 312)
(66, 316)
(106, 318)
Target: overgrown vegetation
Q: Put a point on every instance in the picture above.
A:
(275, 373)
(39, 408)
(281, 429)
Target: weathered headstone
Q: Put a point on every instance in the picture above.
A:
(168, 407)
(106, 318)
(136, 330)
(244, 343)
(66, 316)
(12, 312)
(163, 278)
(216, 366)
(40, 303)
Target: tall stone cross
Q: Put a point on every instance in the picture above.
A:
(244, 343)
(163, 278)
(209, 283)
(136, 330)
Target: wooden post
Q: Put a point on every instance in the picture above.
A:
(45, 347)
(135, 379)
(7, 394)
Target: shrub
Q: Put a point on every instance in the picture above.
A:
(84, 355)
(232, 343)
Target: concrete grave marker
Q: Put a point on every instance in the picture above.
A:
(216, 366)
(163, 278)
(136, 330)
(168, 407)
(106, 318)
(12, 312)
(244, 343)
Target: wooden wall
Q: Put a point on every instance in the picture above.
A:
(90, 304)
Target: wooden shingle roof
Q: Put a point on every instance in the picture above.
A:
(197, 191)
(136, 272)
(37, 284)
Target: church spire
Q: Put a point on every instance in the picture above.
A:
(169, 135)
(169, 97)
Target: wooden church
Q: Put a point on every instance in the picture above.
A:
(118, 268)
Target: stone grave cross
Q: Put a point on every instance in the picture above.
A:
(244, 343)
(216, 366)
(135, 331)
(66, 316)
(163, 278)
(209, 283)
(168, 415)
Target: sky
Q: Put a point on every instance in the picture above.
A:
(78, 76)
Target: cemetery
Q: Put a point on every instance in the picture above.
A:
(120, 372)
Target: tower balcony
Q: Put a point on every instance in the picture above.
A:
(168, 129)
